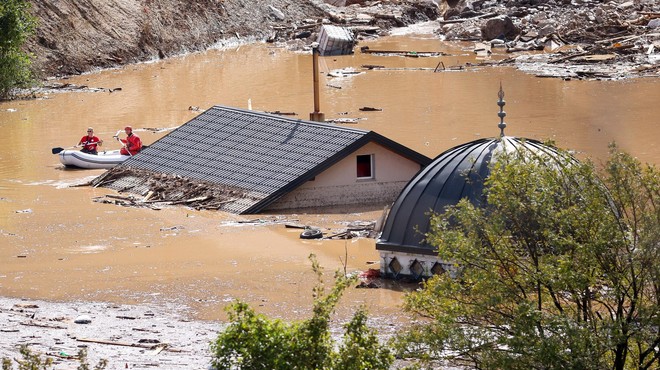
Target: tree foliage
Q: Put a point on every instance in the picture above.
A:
(559, 270)
(253, 341)
(16, 25)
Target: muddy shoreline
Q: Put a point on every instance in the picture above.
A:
(127, 336)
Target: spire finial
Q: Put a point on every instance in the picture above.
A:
(502, 113)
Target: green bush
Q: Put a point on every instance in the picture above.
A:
(253, 341)
(16, 26)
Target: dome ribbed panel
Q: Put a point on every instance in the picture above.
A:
(456, 174)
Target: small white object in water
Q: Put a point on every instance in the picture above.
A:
(83, 319)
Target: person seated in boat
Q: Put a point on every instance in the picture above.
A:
(90, 142)
(132, 143)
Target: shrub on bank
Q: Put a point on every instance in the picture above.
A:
(253, 341)
(16, 26)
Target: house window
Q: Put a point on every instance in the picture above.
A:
(365, 166)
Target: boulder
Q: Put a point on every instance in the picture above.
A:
(501, 27)
(454, 8)
(276, 13)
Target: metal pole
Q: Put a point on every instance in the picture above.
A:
(316, 115)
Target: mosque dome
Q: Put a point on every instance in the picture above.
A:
(456, 174)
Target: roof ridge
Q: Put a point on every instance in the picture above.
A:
(292, 120)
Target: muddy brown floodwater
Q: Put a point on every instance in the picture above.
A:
(57, 244)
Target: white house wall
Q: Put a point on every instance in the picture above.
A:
(339, 185)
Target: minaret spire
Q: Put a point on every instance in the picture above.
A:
(502, 113)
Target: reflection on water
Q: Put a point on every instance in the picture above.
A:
(74, 248)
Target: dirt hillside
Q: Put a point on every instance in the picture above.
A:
(75, 36)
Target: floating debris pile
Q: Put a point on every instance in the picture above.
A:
(577, 39)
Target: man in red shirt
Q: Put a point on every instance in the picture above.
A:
(89, 142)
(132, 143)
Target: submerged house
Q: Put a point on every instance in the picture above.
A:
(249, 162)
(456, 174)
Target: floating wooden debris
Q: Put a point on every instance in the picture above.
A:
(370, 109)
(482, 49)
(361, 225)
(123, 344)
(372, 66)
(343, 120)
(280, 113)
(407, 53)
(369, 285)
(344, 72)
(436, 69)
(341, 235)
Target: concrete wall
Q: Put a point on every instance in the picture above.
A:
(339, 185)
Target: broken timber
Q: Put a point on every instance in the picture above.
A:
(436, 69)
(408, 53)
(283, 113)
(43, 325)
(153, 346)
(461, 20)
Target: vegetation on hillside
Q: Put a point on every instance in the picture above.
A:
(16, 25)
(559, 271)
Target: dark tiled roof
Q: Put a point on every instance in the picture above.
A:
(262, 154)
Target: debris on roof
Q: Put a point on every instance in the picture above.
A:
(158, 189)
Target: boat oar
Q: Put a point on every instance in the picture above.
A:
(57, 150)
(122, 143)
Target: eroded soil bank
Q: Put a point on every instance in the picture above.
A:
(77, 36)
(570, 39)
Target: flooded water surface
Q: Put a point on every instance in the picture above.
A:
(56, 243)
